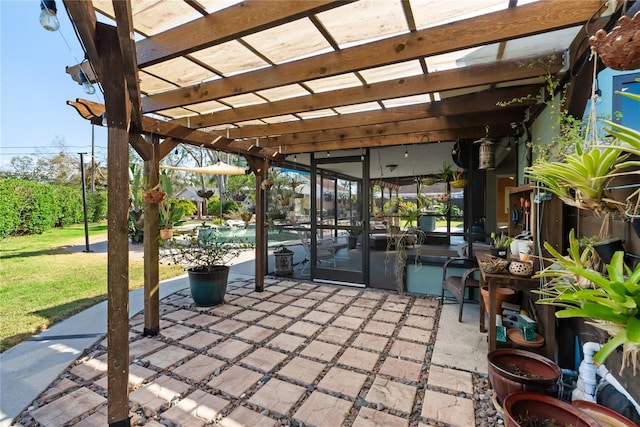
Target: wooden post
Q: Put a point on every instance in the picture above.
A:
(118, 120)
(151, 246)
(261, 172)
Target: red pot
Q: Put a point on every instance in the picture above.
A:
(513, 370)
(602, 414)
(533, 406)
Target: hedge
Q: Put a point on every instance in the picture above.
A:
(28, 207)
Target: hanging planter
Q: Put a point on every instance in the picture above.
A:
(619, 49)
(458, 183)
(444, 198)
(266, 184)
(205, 194)
(154, 196)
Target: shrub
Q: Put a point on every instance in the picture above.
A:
(97, 206)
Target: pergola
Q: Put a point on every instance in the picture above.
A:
(272, 79)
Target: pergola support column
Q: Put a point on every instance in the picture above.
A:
(118, 122)
(261, 169)
(151, 244)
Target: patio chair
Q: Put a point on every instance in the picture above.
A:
(458, 285)
(325, 250)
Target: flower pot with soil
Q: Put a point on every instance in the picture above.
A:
(513, 370)
(534, 410)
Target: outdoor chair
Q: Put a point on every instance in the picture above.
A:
(458, 285)
(325, 250)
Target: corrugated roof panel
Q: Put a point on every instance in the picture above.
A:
(230, 57)
(208, 107)
(368, 106)
(407, 100)
(297, 39)
(283, 92)
(181, 71)
(281, 119)
(392, 72)
(317, 113)
(150, 84)
(243, 100)
(365, 20)
(334, 82)
(431, 13)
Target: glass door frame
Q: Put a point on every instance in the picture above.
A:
(329, 274)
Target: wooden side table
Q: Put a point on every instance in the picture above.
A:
(546, 314)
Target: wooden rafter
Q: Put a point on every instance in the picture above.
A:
(228, 24)
(445, 80)
(522, 21)
(472, 103)
(83, 17)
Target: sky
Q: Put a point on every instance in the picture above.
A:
(34, 86)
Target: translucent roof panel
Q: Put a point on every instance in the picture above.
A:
(448, 61)
(283, 92)
(430, 13)
(216, 5)
(230, 57)
(392, 72)
(208, 107)
(150, 84)
(243, 100)
(281, 119)
(553, 41)
(407, 100)
(365, 20)
(369, 106)
(176, 113)
(334, 83)
(317, 113)
(463, 91)
(297, 39)
(181, 71)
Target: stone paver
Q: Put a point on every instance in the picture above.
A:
(368, 417)
(453, 410)
(159, 392)
(302, 369)
(62, 411)
(343, 381)
(199, 368)
(392, 394)
(321, 355)
(264, 359)
(450, 378)
(323, 410)
(197, 409)
(277, 395)
(244, 417)
(235, 380)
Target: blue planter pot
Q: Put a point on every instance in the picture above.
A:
(208, 287)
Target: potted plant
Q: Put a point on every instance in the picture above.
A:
(205, 259)
(525, 409)
(205, 231)
(610, 302)
(283, 261)
(170, 212)
(500, 245)
(352, 238)
(458, 180)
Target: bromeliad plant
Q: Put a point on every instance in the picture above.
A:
(610, 300)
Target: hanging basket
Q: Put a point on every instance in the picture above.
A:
(266, 184)
(444, 198)
(458, 183)
(154, 196)
(619, 49)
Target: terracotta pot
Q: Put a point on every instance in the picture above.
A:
(535, 407)
(166, 233)
(602, 414)
(513, 370)
(154, 196)
(502, 295)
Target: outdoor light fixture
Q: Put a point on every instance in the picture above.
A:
(48, 17)
(86, 84)
(406, 153)
(328, 154)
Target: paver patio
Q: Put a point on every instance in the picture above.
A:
(297, 354)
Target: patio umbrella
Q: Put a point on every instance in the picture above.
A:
(220, 168)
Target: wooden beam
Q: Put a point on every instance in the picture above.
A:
(144, 150)
(167, 147)
(151, 244)
(533, 18)
(228, 24)
(475, 102)
(437, 82)
(128, 49)
(83, 18)
(498, 129)
(118, 118)
(180, 133)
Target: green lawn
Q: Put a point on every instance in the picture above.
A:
(42, 283)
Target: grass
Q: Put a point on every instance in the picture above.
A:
(42, 282)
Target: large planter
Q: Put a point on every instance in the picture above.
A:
(283, 263)
(532, 409)
(513, 370)
(602, 414)
(352, 242)
(606, 248)
(208, 286)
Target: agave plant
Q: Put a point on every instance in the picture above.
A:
(611, 301)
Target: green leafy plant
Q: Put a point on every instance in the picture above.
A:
(501, 241)
(610, 301)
